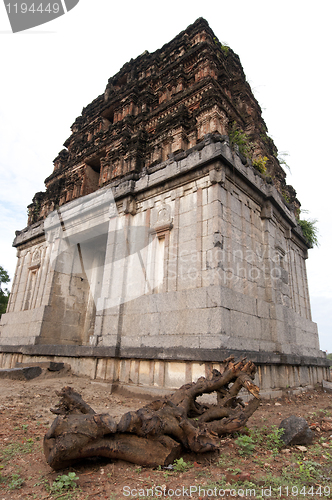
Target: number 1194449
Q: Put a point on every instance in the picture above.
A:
(34, 8)
(295, 491)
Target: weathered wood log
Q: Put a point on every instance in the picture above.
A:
(70, 402)
(155, 434)
(71, 439)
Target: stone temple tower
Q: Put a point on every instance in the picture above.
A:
(167, 237)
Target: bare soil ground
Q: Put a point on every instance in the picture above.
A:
(254, 466)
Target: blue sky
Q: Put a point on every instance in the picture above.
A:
(48, 74)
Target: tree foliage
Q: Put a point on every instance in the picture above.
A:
(4, 293)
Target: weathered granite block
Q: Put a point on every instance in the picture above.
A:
(22, 373)
(219, 320)
(246, 325)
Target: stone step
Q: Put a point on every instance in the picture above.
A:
(327, 386)
(23, 373)
(52, 366)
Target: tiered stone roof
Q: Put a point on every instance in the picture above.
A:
(157, 106)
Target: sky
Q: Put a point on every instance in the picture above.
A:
(49, 73)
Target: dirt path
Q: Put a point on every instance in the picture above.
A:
(243, 468)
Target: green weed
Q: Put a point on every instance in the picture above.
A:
(246, 445)
(15, 483)
(235, 471)
(268, 438)
(309, 470)
(180, 465)
(260, 163)
(239, 138)
(273, 440)
(309, 230)
(14, 449)
(43, 482)
(64, 482)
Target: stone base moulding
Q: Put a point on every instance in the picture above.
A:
(276, 376)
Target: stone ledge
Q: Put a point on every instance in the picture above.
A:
(51, 366)
(29, 233)
(327, 386)
(23, 373)
(173, 354)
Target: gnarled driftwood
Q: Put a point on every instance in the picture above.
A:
(155, 434)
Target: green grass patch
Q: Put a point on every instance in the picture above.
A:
(14, 449)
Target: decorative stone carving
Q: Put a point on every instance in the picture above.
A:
(35, 261)
(164, 220)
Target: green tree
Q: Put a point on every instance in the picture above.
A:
(329, 355)
(4, 293)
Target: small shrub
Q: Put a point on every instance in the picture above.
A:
(268, 438)
(225, 49)
(245, 444)
(309, 230)
(180, 465)
(65, 482)
(260, 163)
(222, 46)
(238, 137)
(309, 470)
(285, 195)
(273, 440)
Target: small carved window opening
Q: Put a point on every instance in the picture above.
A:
(30, 291)
(159, 256)
(280, 257)
(159, 264)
